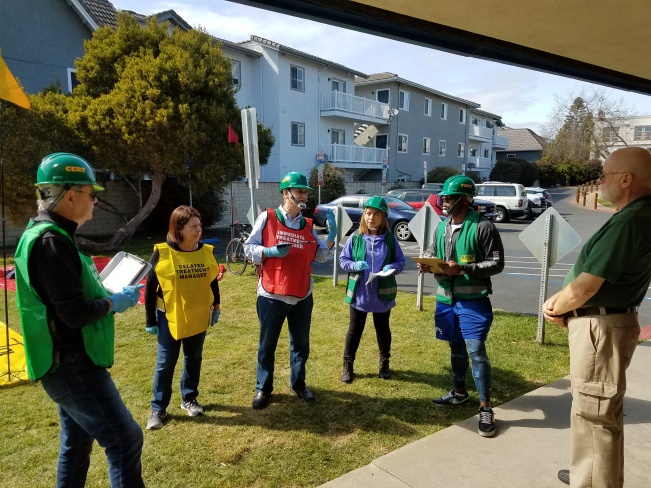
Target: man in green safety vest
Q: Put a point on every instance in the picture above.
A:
(66, 317)
(472, 251)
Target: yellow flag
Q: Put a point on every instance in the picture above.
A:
(10, 90)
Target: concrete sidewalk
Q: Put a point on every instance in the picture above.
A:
(531, 445)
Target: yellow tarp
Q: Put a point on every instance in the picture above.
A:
(12, 358)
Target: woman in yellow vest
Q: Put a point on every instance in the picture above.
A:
(181, 301)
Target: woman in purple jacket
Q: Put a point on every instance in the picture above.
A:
(372, 257)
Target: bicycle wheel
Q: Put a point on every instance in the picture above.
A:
(235, 259)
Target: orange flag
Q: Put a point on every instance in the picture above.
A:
(10, 90)
(232, 135)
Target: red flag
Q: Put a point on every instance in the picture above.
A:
(232, 136)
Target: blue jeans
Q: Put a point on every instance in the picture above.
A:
(271, 314)
(168, 355)
(90, 408)
(465, 325)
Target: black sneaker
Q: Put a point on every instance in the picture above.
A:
(564, 476)
(486, 422)
(452, 398)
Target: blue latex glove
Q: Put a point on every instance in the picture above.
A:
(133, 291)
(332, 225)
(276, 252)
(360, 265)
(215, 317)
(152, 330)
(387, 267)
(121, 301)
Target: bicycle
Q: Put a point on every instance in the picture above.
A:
(236, 260)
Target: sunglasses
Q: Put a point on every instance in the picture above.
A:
(92, 194)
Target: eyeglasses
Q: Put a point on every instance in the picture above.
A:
(92, 194)
(602, 176)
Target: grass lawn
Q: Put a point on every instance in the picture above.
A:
(290, 443)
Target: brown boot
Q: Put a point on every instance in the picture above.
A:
(347, 375)
(384, 372)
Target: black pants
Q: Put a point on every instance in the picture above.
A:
(356, 327)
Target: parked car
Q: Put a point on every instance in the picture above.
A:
(415, 198)
(510, 199)
(539, 200)
(484, 206)
(400, 213)
(433, 186)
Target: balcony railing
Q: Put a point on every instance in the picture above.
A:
(358, 107)
(477, 132)
(500, 141)
(478, 163)
(356, 156)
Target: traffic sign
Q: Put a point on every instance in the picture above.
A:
(423, 225)
(563, 238)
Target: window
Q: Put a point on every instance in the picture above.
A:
(383, 96)
(402, 143)
(441, 148)
(337, 136)
(428, 107)
(473, 152)
(298, 134)
(444, 111)
(486, 153)
(73, 82)
(475, 121)
(462, 115)
(297, 75)
(610, 134)
(485, 191)
(404, 101)
(511, 156)
(426, 145)
(642, 132)
(338, 85)
(381, 141)
(505, 191)
(461, 150)
(236, 69)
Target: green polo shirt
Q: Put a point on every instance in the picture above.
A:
(620, 253)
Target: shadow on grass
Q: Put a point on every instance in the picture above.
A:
(339, 412)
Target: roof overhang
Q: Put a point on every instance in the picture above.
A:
(600, 42)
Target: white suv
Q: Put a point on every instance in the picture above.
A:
(510, 199)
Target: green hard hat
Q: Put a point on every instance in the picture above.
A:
(65, 168)
(378, 203)
(458, 185)
(293, 179)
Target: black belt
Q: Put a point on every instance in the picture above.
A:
(581, 312)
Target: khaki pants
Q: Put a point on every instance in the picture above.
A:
(601, 348)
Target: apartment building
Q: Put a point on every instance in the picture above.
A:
(629, 131)
(428, 128)
(522, 144)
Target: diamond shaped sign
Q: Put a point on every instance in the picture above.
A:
(562, 237)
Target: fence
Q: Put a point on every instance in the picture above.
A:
(585, 194)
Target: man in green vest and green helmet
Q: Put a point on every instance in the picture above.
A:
(472, 250)
(68, 330)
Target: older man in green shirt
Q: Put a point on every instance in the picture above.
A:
(598, 305)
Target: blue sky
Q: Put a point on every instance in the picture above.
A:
(522, 97)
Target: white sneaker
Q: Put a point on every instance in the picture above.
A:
(193, 408)
(156, 418)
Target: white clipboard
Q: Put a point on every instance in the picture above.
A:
(123, 270)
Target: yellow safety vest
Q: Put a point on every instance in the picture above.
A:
(184, 278)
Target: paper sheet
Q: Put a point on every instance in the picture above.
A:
(372, 276)
(123, 274)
